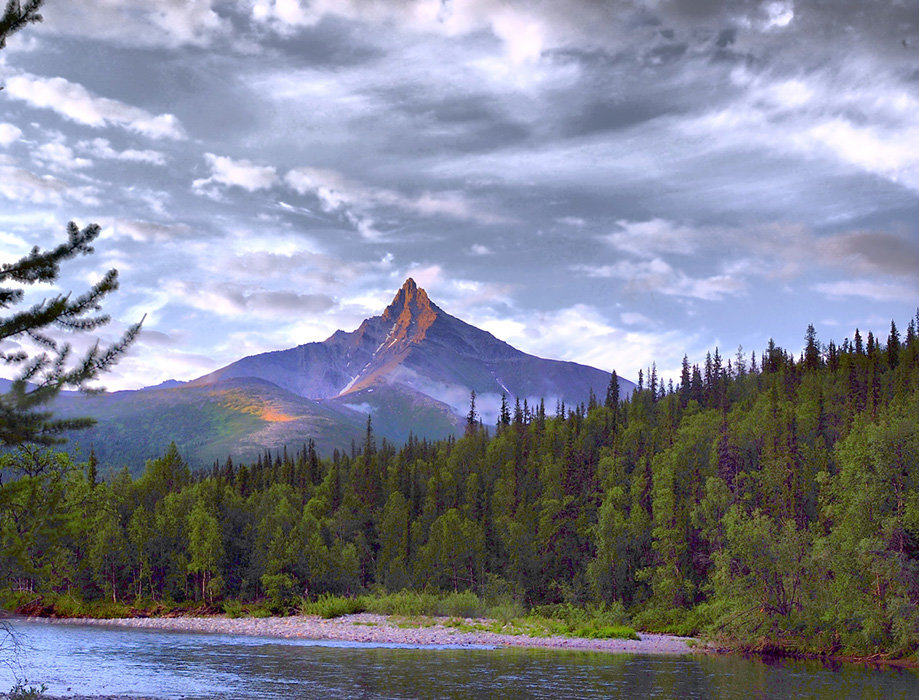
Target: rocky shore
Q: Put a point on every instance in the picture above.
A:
(379, 629)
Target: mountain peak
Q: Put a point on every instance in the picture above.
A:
(410, 298)
(411, 312)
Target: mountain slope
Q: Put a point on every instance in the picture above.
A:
(417, 346)
(411, 368)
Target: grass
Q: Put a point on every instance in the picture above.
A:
(328, 606)
(464, 611)
(467, 612)
(414, 603)
(414, 622)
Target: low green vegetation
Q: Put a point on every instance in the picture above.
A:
(768, 502)
(23, 691)
(329, 606)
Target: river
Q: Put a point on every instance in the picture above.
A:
(83, 660)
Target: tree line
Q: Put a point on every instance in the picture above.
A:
(770, 500)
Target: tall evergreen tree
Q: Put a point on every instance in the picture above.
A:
(612, 391)
(893, 346)
(811, 349)
(472, 416)
(42, 374)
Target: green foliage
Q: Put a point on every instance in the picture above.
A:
(591, 622)
(233, 608)
(770, 506)
(328, 606)
(42, 375)
(22, 691)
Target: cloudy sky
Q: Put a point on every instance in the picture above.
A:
(613, 183)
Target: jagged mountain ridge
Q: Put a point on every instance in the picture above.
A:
(417, 345)
(411, 368)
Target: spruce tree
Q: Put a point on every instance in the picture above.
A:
(472, 416)
(612, 391)
(41, 375)
(893, 346)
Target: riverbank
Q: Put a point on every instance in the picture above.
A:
(370, 628)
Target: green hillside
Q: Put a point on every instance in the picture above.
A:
(238, 418)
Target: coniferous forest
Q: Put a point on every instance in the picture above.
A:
(768, 500)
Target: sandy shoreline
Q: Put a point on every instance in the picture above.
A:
(379, 629)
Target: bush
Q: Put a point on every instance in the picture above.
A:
(233, 608)
(328, 606)
(505, 611)
(678, 621)
(465, 604)
(406, 603)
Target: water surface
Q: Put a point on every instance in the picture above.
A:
(89, 660)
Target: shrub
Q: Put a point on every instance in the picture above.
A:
(328, 606)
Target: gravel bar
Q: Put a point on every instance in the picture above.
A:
(380, 629)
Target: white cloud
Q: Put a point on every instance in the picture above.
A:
(869, 289)
(235, 173)
(170, 23)
(19, 185)
(147, 231)
(428, 276)
(102, 148)
(871, 148)
(479, 249)
(657, 276)
(857, 113)
(631, 318)
(74, 102)
(524, 30)
(779, 14)
(580, 333)
(773, 251)
(524, 36)
(647, 239)
(282, 13)
(235, 300)
(149, 363)
(8, 134)
(59, 157)
(338, 194)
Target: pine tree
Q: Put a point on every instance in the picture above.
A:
(472, 416)
(612, 391)
(811, 349)
(42, 375)
(893, 346)
(92, 471)
(504, 418)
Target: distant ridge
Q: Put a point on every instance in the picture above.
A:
(412, 369)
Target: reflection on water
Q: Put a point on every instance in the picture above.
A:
(82, 660)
